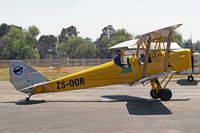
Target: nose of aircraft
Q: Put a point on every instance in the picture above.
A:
(180, 60)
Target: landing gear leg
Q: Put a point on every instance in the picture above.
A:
(155, 94)
(156, 87)
(28, 98)
(159, 92)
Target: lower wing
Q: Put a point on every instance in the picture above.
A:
(155, 76)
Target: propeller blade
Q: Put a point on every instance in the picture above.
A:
(192, 55)
(192, 61)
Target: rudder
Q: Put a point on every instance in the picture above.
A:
(23, 76)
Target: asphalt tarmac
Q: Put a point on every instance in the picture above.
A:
(111, 109)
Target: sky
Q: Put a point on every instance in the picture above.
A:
(91, 16)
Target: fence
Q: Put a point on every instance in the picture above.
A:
(60, 62)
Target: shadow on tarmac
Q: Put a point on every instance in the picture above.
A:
(23, 102)
(141, 106)
(135, 105)
(185, 82)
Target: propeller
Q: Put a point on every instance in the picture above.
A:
(192, 55)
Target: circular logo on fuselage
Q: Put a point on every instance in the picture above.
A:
(18, 70)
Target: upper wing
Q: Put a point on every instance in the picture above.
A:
(157, 34)
(125, 44)
(162, 74)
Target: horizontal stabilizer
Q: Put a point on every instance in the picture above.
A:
(32, 86)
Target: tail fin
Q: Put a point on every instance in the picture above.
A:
(23, 76)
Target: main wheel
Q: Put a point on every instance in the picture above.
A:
(190, 78)
(165, 94)
(154, 94)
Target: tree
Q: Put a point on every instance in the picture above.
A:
(196, 46)
(102, 47)
(16, 46)
(72, 46)
(110, 37)
(86, 50)
(76, 47)
(177, 37)
(31, 35)
(119, 36)
(47, 46)
(4, 28)
(66, 33)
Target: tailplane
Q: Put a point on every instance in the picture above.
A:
(23, 76)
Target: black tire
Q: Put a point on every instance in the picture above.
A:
(27, 99)
(154, 94)
(190, 78)
(165, 94)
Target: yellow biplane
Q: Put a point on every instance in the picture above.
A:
(160, 61)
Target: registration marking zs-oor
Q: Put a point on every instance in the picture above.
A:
(72, 83)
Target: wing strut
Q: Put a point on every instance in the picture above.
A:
(166, 63)
(146, 56)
